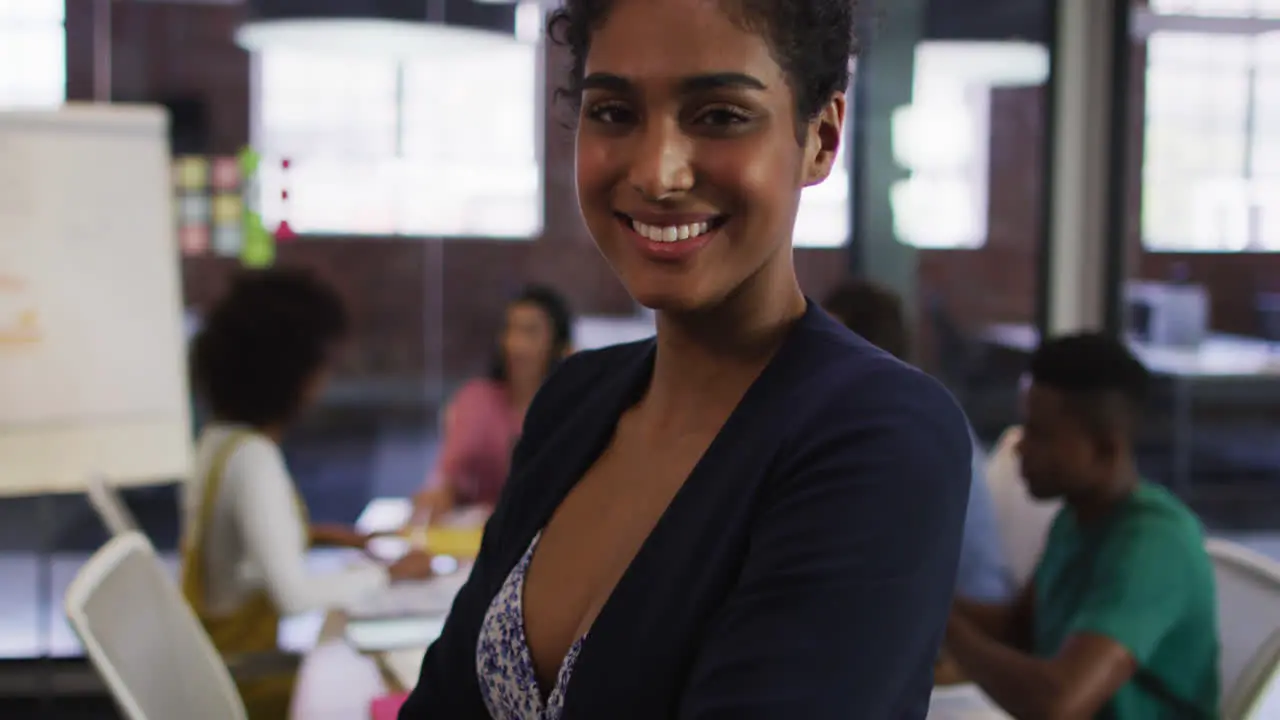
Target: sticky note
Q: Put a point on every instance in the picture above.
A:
(192, 172)
(228, 209)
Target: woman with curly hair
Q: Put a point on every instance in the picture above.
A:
(755, 514)
(261, 359)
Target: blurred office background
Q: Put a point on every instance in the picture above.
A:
(429, 190)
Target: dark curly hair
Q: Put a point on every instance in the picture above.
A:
(812, 40)
(559, 316)
(263, 342)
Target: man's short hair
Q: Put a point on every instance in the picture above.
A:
(1105, 384)
(874, 312)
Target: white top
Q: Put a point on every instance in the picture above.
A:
(256, 535)
(1024, 520)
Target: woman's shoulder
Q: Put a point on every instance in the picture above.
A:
(217, 438)
(855, 419)
(242, 452)
(837, 375)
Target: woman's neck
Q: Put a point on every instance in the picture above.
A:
(520, 392)
(706, 360)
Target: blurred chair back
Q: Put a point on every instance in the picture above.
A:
(143, 639)
(1024, 521)
(1248, 615)
(1256, 694)
(110, 507)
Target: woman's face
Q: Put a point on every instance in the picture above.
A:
(689, 171)
(527, 340)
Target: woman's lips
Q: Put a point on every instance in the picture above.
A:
(670, 238)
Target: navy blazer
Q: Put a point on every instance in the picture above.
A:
(804, 570)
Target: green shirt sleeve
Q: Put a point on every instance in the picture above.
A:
(1138, 587)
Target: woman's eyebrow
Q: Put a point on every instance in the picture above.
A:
(693, 84)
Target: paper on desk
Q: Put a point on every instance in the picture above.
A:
(404, 666)
(368, 636)
(963, 702)
(460, 542)
(427, 598)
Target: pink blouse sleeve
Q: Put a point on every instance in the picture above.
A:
(468, 419)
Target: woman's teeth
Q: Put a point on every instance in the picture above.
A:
(670, 233)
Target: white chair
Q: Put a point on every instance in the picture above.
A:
(1023, 520)
(1256, 695)
(1248, 616)
(143, 639)
(110, 507)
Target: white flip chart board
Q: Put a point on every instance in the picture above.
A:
(92, 350)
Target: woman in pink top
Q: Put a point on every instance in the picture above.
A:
(483, 420)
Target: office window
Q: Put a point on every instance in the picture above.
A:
(375, 146)
(1218, 8)
(823, 218)
(368, 146)
(33, 57)
(474, 164)
(942, 139)
(1211, 160)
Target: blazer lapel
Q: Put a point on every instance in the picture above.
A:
(584, 427)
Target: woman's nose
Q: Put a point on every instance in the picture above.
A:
(662, 165)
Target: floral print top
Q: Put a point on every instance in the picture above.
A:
(504, 666)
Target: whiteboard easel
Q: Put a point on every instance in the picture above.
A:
(92, 350)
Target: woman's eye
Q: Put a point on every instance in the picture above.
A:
(722, 117)
(609, 113)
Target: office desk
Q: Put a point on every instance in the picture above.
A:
(1219, 356)
(335, 682)
(338, 682)
(1250, 366)
(963, 702)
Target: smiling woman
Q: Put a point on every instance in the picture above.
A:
(642, 143)
(756, 514)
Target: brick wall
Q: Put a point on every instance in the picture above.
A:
(428, 308)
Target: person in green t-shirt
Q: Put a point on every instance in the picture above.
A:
(1120, 619)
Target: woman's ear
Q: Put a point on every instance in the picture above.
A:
(822, 140)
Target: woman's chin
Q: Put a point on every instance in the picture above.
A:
(667, 300)
(676, 293)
